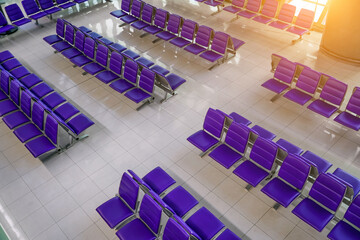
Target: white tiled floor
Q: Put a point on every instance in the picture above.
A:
(56, 199)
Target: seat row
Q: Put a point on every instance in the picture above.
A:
(292, 173)
(69, 117)
(301, 84)
(113, 64)
(210, 45)
(157, 193)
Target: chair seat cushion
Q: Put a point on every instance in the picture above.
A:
(313, 214)
(240, 119)
(166, 35)
(118, 13)
(145, 62)
(280, 192)
(158, 180)
(211, 56)
(38, 15)
(93, 68)
(80, 1)
(95, 35)
(152, 29)
(39, 146)
(139, 25)
(232, 9)
(237, 43)
(228, 235)
(61, 46)
(246, 14)
(5, 55)
(41, 90)
(31, 80)
(250, 173)
(54, 99)
(105, 41)
(262, 19)
(121, 85)
(118, 47)
(71, 53)
(175, 81)
(11, 64)
(27, 132)
(297, 30)
(297, 96)
(160, 70)
(180, 42)
(20, 72)
(80, 123)
(67, 5)
(289, 147)
(135, 230)
(321, 164)
(22, 22)
(224, 155)
(66, 111)
(322, 108)
(343, 230)
(137, 95)
(114, 211)
(15, 119)
(279, 25)
(213, 3)
(348, 120)
(202, 140)
(52, 10)
(180, 200)
(131, 54)
(275, 86)
(7, 106)
(52, 39)
(84, 29)
(6, 28)
(107, 76)
(128, 19)
(195, 49)
(80, 60)
(262, 132)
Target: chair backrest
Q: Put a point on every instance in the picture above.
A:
(5, 80)
(214, 122)
(25, 102)
(147, 80)
(30, 7)
(129, 190)
(305, 18)
(328, 191)
(295, 170)
(37, 115)
(45, 4)
(131, 71)
(253, 5)
(79, 40)
(136, 8)
(353, 181)
(89, 47)
(354, 102)
(264, 152)
(15, 91)
(203, 36)
(308, 80)
(353, 212)
(116, 62)
(161, 17)
(334, 91)
(285, 71)
(3, 21)
(150, 213)
(51, 128)
(173, 231)
(220, 42)
(14, 12)
(125, 5)
(269, 8)
(237, 136)
(69, 34)
(287, 13)
(188, 29)
(102, 54)
(238, 3)
(174, 23)
(147, 14)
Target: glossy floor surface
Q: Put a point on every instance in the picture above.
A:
(56, 199)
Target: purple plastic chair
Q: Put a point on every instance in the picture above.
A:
(303, 22)
(125, 9)
(180, 200)
(60, 33)
(144, 92)
(147, 16)
(268, 12)
(66, 111)
(146, 227)
(53, 100)
(327, 191)
(78, 48)
(41, 90)
(228, 235)
(160, 20)
(306, 86)
(349, 117)
(67, 42)
(15, 15)
(236, 6)
(18, 118)
(123, 206)
(115, 69)
(251, 10)
(287, 186)
(211, 133)
(11, 64)
(135, 12)
(202, 40)
(204, 223)
(5, 55)
(345, 228)
(100, 62)
(48, 6)
(117, 47)
(64, 4)
(158, 180)
(130, 77)
(169, 84)
(174, 231)
(89, 53)
(283, 76)
(263, 153)
(350, 179)
(32, 10)
(218, 50)
(321, 164)
(285, 18)
(80, 123)
(173, 27)
(4, 25)
(187, 34)
(234, 146)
